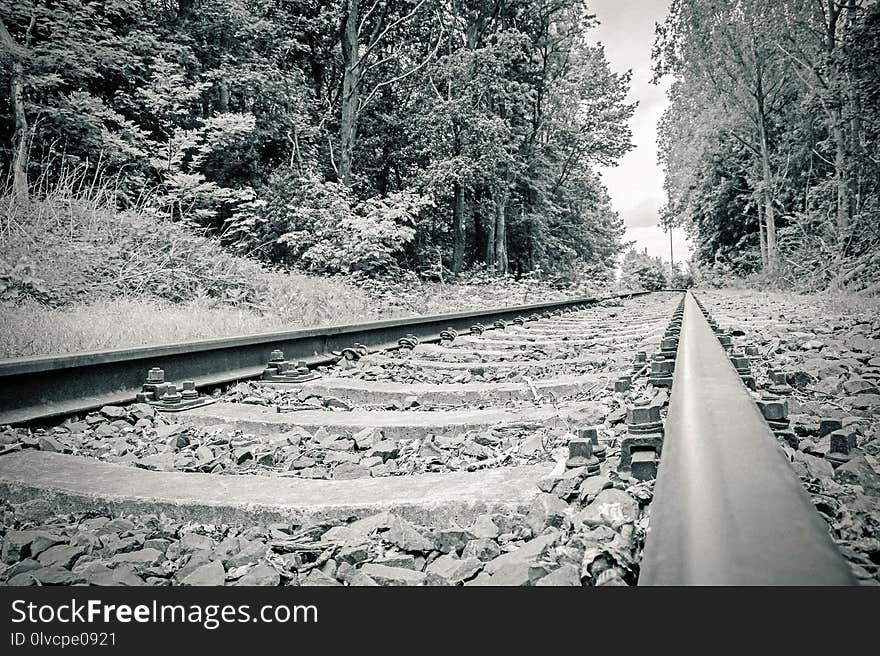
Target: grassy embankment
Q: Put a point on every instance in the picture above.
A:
(77, 275)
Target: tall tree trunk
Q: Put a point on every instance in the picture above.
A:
(20, 135)
(530, 248)
(838, 130)
(350, 88)
(222, 84)
(457, 228)
(855, 149)
(769, 213)
(222, 96)
(841, 178)
(383, 182)
(490, 223)
(762, 239)
(500, 236)
(766, 176)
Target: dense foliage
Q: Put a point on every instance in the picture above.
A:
(771, 138)
(638, 270)
(353, 135)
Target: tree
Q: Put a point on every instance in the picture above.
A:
(821, 67)
(823, 52)
(641, 271)
(725, 47)
(383, 29)
(13, 51)
(467, 131)
(522, 114)
(55, 48)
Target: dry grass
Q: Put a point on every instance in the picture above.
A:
(852, 304)
(32, 329)
(839, 303)
(294, 301)
(425, 298)
(78, 275)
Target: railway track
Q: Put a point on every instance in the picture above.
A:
(52, 386)
(514, 447)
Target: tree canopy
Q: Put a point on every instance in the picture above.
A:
(353, 135)
(770, 139)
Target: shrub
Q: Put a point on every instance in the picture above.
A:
(320, 227)
(681, 279)
(641, 271)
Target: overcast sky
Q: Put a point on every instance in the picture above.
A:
(636, 184)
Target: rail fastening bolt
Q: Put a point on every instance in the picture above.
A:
(843, 440)
(591, 433)
(669, 345)
(188, 392)
(171, 395)
(580, 454)
(741, 363)
(642, 415)
(779, 383)
(777, 377)
(828, 425)
(588, 433)
(155, 376)
(773, 408)
(643, 464)
(662, 367)
(580, 448)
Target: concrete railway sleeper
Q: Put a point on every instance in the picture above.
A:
(514, 451)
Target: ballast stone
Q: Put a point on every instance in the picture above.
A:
(611, 507)
(209, 574)
(396, 576)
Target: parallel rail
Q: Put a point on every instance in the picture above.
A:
(728, 508)
(39, 388)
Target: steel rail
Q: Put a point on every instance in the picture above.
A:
(728, 508)
(44, 387)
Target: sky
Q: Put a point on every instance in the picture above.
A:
(626, 30)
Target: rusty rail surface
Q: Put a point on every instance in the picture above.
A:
(728, 508)
(38, 388)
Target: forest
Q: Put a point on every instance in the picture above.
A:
(354, 136)
(770, 141)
